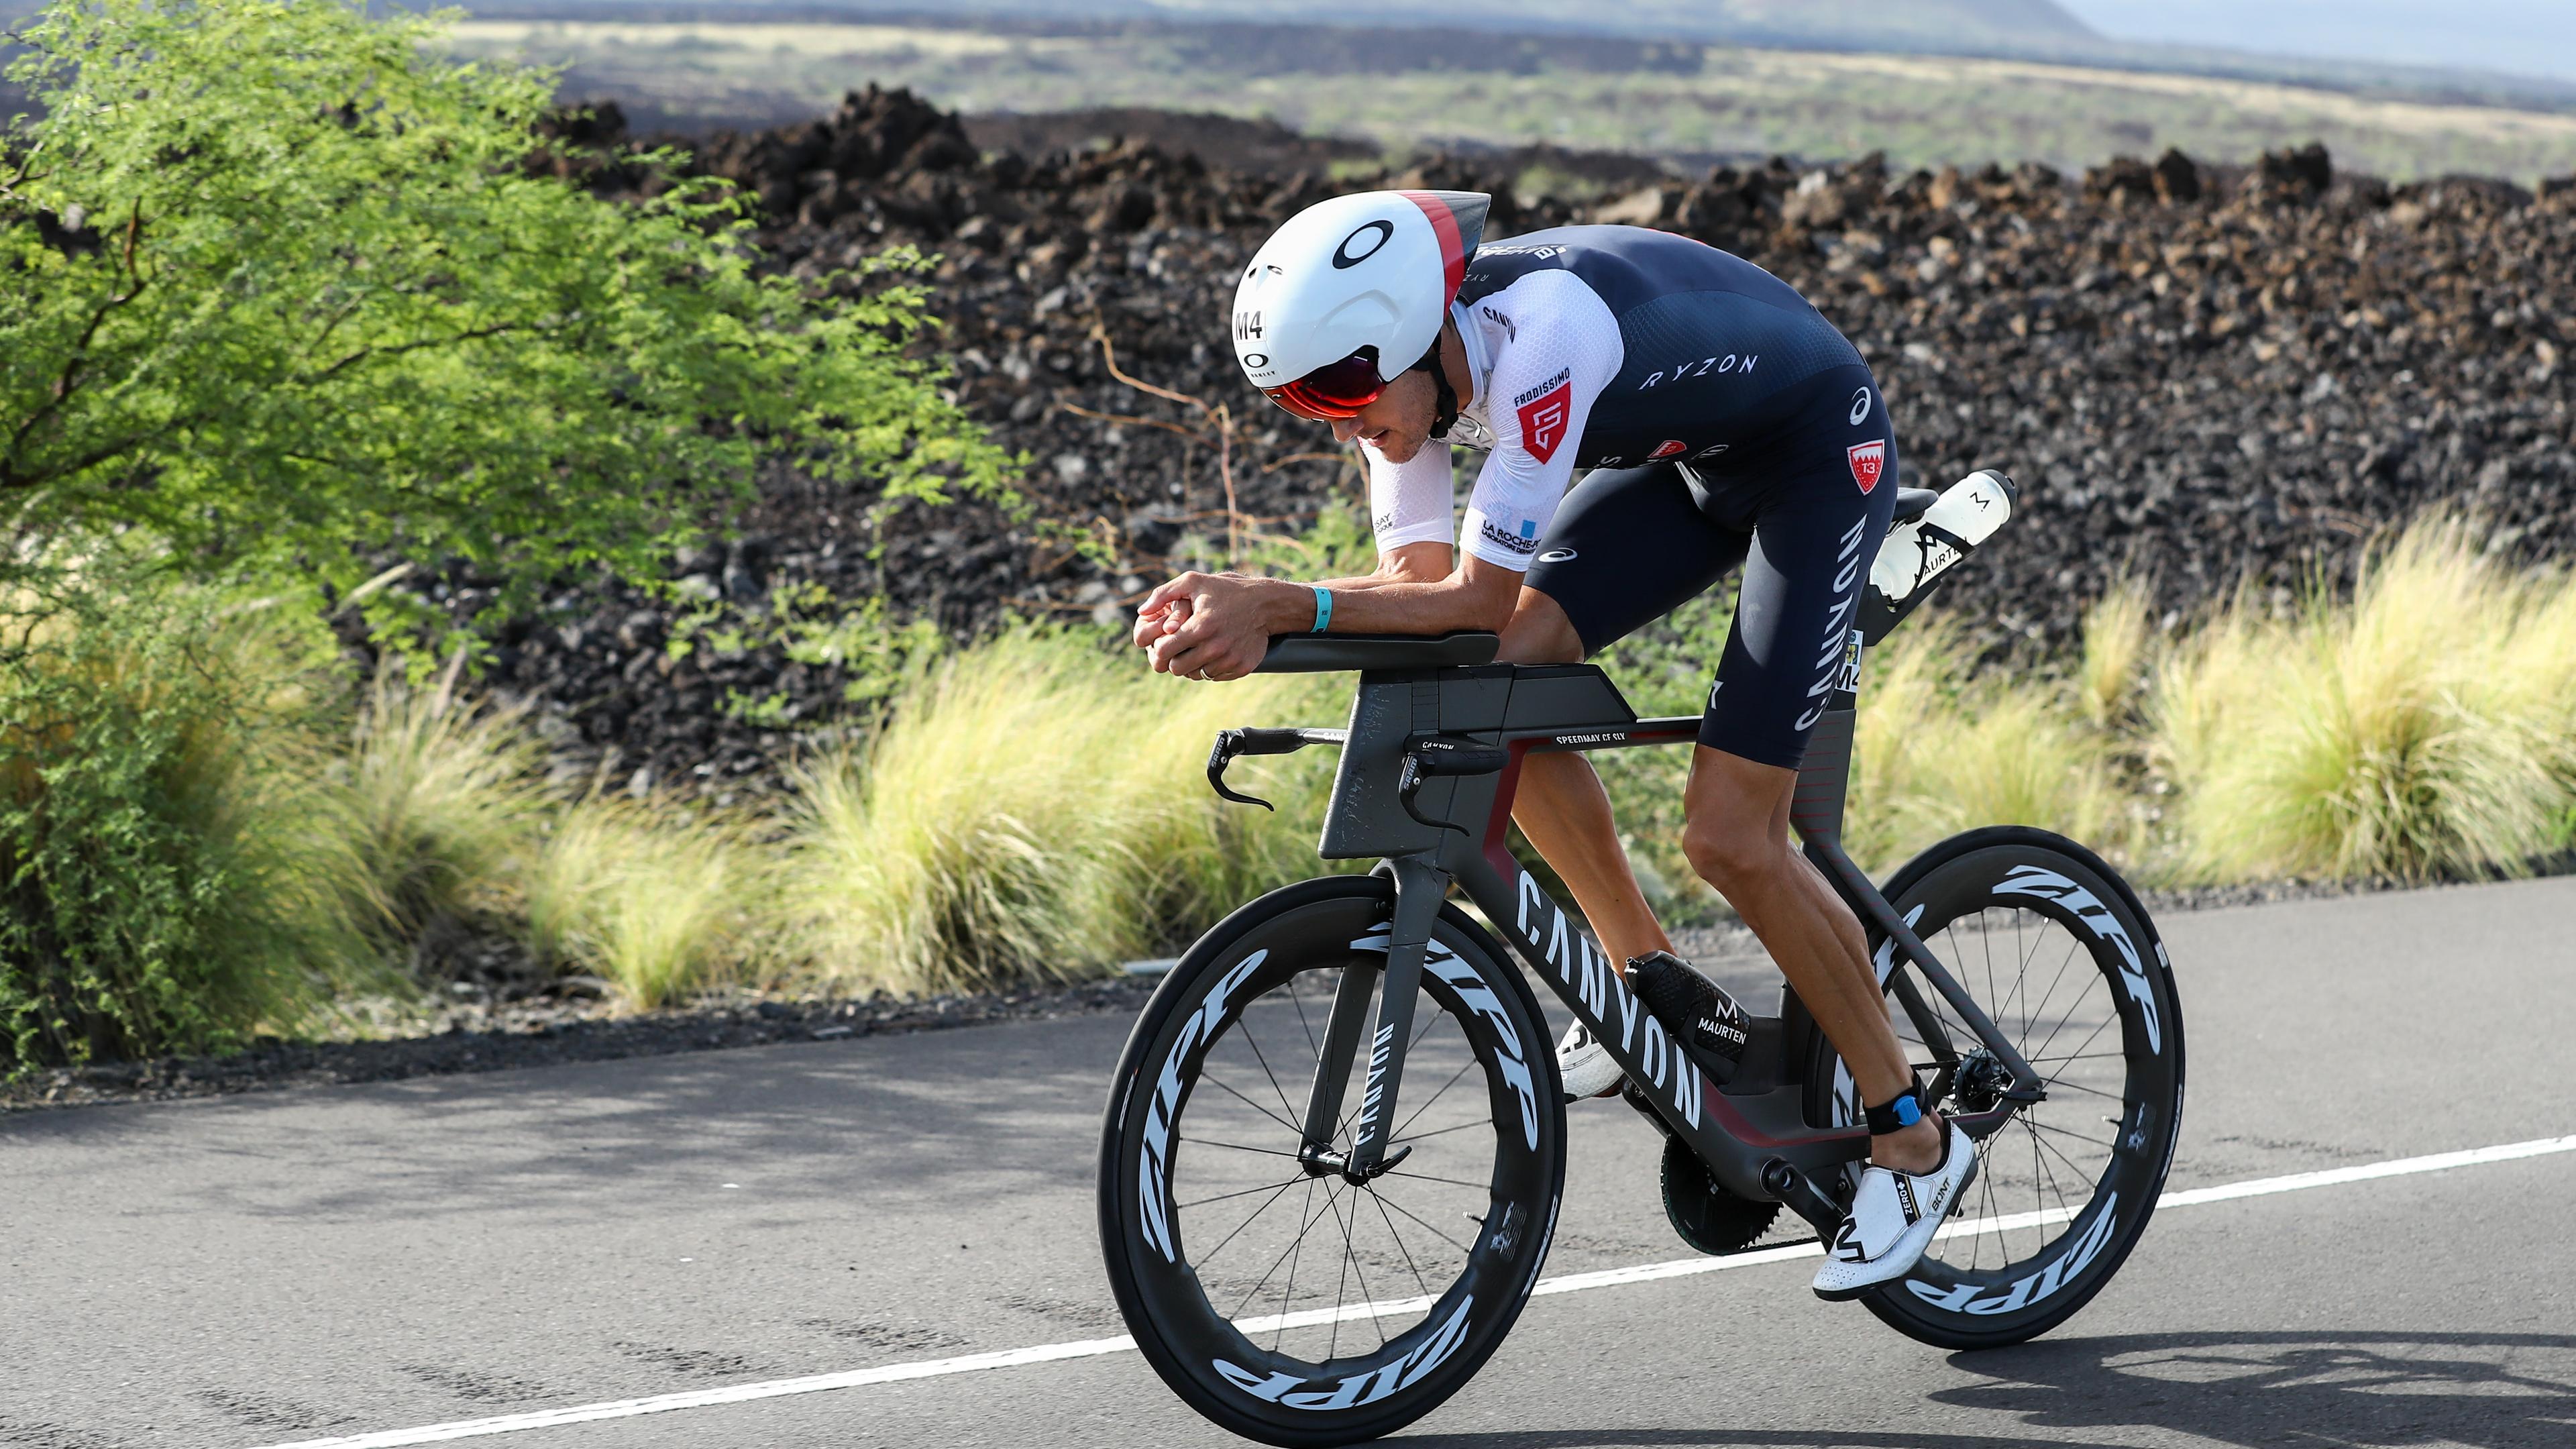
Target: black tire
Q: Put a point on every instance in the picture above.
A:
(2085, 1181)
(1242, 1013)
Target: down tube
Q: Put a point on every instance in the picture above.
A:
(1733, 1147)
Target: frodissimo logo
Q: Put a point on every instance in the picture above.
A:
(1543, 412)
(1867, 460)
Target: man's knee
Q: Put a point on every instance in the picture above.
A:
(1539, 633)
(1733, 852)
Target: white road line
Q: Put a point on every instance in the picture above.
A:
(1568, 1283)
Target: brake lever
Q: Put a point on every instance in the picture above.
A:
(1259, 741)
(1428, 756)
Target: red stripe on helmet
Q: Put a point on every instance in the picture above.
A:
(1453, 246)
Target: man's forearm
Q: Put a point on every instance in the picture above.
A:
(1390, 606)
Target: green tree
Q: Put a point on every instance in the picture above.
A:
(280, 290)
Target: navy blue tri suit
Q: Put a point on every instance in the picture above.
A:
(1724, 421)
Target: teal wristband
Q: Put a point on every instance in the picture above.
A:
(1323, 608)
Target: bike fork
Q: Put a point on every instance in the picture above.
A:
(1419, 889)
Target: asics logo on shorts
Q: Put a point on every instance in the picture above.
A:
(1859, 407)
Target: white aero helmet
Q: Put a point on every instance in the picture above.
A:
(1350, 293)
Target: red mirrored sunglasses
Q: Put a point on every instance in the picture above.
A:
(1334, 390)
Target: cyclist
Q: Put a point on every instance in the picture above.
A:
(1723, 422)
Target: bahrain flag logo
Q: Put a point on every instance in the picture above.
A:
(1867, 460)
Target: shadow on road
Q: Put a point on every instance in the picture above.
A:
(2362, 1389)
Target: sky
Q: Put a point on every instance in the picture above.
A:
(2535, 37)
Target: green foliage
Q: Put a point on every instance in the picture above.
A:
(171, 871)
(2419, 732)
(281, 287)
(437, 794)
(874, 656)
(1029, 812)
(657, 900)
(1941, 748)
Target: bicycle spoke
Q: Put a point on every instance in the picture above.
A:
(2050, 1173)
(1435, 1132)
(1426, 1227)
(1305, 1223)
(1428, 1177)
(1313, 1043)
(2098, 1028)
(1244, 1025)
(2061, 1156)
(1241, 1192)
(2065, 1132)
(2063, 1021)
(1332, 1345)
(1221, 1085)
(1239, 1147)
(1247, 1222)
(2072, 942)
(1351, 1263)
(1426, 1106)
(1410, 1265)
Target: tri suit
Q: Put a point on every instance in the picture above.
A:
(1723, 421)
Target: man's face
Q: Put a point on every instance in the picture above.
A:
(1397, 425)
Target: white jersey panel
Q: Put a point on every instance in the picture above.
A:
(1414, 501)
(1554, 347)
(1541, 350)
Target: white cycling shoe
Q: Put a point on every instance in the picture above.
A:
(1893, 1218)
(1585, 1065)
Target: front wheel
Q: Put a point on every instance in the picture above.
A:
(1293, 1306)
(2060, 955)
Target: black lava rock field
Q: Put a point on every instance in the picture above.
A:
(2198, 374)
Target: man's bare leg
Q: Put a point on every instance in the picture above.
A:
(1737, 837)
(1562, 808)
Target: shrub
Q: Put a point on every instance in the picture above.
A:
(437, 795)
(1940, 748)
(171, 876)
(1029, 812)
(647, 895)
(2390, 738)
(2115, 652)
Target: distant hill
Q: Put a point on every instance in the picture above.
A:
(1984, 26)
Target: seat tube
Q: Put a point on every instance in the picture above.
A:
(1420, 887)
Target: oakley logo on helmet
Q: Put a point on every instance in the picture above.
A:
(1378, 232)
(1324, 340)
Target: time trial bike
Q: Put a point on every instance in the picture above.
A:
(1333, 1155)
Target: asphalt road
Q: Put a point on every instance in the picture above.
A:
(275, 1268)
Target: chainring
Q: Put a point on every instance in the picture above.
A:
(1707, 1216)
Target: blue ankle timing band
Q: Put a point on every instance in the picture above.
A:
(1904, 1112)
